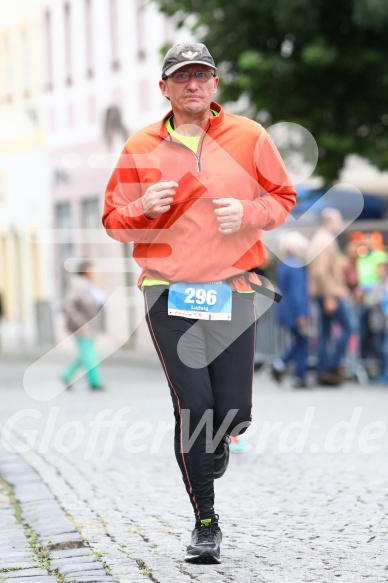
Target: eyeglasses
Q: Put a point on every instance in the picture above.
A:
(185, 76)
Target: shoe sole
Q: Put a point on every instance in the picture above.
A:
(205, 558)
(238, 451)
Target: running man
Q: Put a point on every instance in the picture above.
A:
(193, 193)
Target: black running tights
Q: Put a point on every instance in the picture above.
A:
(209, 369)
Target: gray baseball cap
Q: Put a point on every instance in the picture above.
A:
(187, 53)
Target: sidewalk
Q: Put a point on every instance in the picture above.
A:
(121, 356)
(306, 502)
(38, 542)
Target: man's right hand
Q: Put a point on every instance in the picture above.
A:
(330, 305)
(158, 199)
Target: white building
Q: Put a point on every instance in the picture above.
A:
(25, 283)
(77, 77)
(102, 66)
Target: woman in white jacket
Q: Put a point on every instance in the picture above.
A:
(82, 306)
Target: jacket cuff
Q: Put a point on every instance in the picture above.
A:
(138, 215)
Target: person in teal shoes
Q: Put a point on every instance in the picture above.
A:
(82, 306)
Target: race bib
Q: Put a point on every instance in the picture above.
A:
(202, 301)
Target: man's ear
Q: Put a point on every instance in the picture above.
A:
(216, 79)
(164, 89)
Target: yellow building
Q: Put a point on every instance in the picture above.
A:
(24, 183)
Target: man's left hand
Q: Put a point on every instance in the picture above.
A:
(229, 215)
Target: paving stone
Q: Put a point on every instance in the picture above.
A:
(69, 553)
(63, 541)
(24, 573)
(286, 516)
(45, 579)
(28, 554)
(80, 567)
(59, 563)
(18, 562)
(94, 579)
(47, 533)
(90, 575)
(13, 541)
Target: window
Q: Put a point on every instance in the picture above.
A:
(4, 274)
(48, 51)
(52, 120)
(91, 212)
(70, 116)
(114, 126)
(19, 244)
(7, 66)
(114, 34)
(63, 217)
(26, 63)
(144, 95)
(140, 30)
(2, 188)
(91, 220)
(64, 222)
(92, 109)
(89, 38)
(68, 55)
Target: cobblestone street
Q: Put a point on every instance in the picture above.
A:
(306, 502)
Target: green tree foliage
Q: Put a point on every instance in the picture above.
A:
(320, 63)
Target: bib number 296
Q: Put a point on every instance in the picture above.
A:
(202, 301)
(201, 296)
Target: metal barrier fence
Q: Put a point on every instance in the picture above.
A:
(270, 338)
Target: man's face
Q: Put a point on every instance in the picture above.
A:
(192, 97)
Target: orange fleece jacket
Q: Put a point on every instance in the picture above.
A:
(235, 159)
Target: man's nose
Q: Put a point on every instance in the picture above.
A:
(193, 81)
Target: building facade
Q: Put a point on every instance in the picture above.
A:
(26, 287)
(77, 77)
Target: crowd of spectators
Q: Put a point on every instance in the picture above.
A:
(341, 294)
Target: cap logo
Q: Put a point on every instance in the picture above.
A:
(189, 54)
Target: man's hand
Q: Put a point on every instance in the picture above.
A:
(229, 215)
(302, 325)
(158, 198)
(330, 305)
(302, 322)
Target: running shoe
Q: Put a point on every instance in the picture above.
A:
(299, 383)
(237, 445)
(205, 542)
(277, 369)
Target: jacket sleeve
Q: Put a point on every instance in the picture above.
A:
(123, 212)
(72, 308)
(292, 282)
(276, 193)
(321, 268)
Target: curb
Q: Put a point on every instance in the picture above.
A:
(130, 357)
(41, 543)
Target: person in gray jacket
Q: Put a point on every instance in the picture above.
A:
(82, 306)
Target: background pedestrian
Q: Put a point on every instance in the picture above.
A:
(328, 287)
(291, 279)
(82, 306)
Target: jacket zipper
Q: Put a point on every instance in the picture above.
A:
(197, 158)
